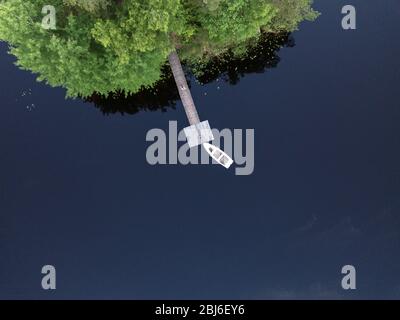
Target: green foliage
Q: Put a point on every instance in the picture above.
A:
(291, 12)
(121, 45)
(88, 5)
(236, 21)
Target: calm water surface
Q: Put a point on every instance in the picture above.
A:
(76, 190)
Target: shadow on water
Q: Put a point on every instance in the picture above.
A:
(259, 57)
(161, 96)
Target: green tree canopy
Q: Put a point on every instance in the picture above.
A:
(121, 45)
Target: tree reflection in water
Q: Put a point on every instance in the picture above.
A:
(163, 95)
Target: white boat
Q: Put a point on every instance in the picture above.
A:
(218, 155)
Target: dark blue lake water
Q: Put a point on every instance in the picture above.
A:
(77, 192)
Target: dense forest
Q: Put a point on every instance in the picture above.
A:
(105, 46)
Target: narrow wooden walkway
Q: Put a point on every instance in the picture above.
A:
(183, 88)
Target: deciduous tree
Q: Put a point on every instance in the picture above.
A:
(122, 45)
